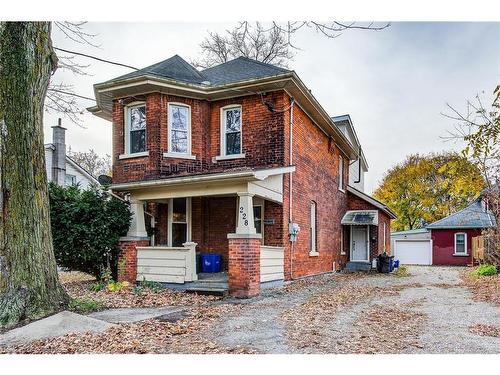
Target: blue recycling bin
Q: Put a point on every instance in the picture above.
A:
(396, 263)
(210, 263)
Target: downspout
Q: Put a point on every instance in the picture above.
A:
(290, 184)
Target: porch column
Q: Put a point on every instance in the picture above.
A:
(244, 252)
(137, 225)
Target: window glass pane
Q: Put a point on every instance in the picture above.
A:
(138, 118)
(179, 210)
(233, 143)
(179, 234)
(233, 120)
(137, 141)
(257, 216)
(179, 117)
(179, 141)
(460, 243)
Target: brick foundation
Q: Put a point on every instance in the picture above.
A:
(244, 267)
(127, 260)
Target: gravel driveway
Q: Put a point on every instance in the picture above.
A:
(430, 310)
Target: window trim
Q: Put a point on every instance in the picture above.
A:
(313, 250)
(127, 154)
(341, 173)
(342, 248)
(465, 253)
(170, 220)
(222, 129)
(181, 155)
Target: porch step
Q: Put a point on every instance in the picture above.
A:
(358, 266)
(208, 290)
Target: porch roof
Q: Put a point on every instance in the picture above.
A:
(360, 217)
(267, 183)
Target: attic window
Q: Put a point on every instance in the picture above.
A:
(135, 137)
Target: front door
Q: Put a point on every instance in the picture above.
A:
(359, 244)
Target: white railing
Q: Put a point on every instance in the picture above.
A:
(167, 264)
(272, 263)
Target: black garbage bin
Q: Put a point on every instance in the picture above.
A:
(384, 262)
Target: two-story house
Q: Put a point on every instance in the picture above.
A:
(241, 160)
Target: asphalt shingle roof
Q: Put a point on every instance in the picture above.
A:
(472, 216)
(239, 69)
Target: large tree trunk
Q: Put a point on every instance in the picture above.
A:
(29, 285)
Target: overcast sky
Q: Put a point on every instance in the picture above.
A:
(394, 83)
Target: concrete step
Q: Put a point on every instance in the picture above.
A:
(207, 290)
(358, 266)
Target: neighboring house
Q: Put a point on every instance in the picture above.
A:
(359, 167)
(241, 160)
(61, 169)
(447, 241)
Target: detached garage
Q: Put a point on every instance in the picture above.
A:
(412, 246)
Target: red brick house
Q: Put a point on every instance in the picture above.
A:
(240, 160)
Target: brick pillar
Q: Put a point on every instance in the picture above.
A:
(127, 260)
(244, 265)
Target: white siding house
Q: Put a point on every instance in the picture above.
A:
(61, 169)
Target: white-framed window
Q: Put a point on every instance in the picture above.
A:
(257, 218)
(342, 249)
(312, 229)
(231, 134)
(179, 221)
(460, 243)
(135, 128)
(179, 129)
(341, 173)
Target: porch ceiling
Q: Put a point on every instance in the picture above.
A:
(265, 183)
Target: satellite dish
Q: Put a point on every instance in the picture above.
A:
(105, 180)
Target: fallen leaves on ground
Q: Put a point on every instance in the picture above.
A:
(317, 281)
(146, 298)
(444, 285)
(483, 288)
(385, 330)
(67, 277)
(485, 330)
(150, 336)
(307, 324)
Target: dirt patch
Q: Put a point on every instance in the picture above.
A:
(485, 330)
(128, 298)
(151, 336)
(444, 286)
(67, 277)
(307, 324)
(385, 330)
(318, 281)
(400, 287)
(483, 288)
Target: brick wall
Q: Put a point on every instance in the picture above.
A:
(127, 260)
(262, 134)
(316, 159)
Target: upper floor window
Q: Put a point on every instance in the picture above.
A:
(460, 244)
(231, 131)
(135, 129)
(341, 173)
(179, 129)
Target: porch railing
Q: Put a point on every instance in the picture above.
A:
(272, 262)
(167, 264)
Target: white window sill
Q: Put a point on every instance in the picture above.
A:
(460, 255)
(342, 190)
(343, 253)
(136, 155)
(230, 157)
(313, 254)
(178, 156)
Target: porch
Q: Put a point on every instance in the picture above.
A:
(241, 219)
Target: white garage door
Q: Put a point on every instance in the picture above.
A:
(413, 252)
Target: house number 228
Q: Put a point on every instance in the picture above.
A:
(244, 216)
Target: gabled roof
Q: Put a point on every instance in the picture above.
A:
(240, 69)
(345, 122)
(175, 68)
(472, 216)
(372, 201)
